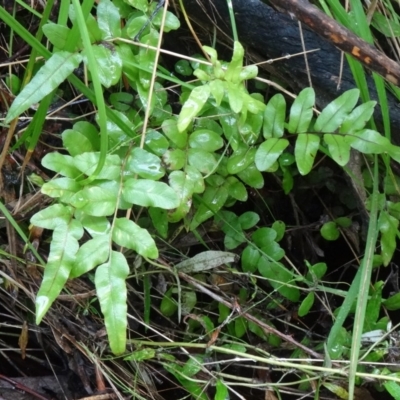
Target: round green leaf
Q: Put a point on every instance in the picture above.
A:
(250, 257)
(97, 200)
(206, 140)
(144, 164)
(338, 147)
(248, 219)
(130, 235)
(177, 137)
(62, 164)
(84, 137)
(183, 67)
(241, 159)
(168, 306)
(329, 231)
(268, 152)
(202, 160)
(174, 159)
(145, 193)
(156, 142)
(109, 65)
(108, 19)
(63, 188)
(252, 177)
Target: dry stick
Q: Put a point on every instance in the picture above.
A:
(249, 317)
(341, 37)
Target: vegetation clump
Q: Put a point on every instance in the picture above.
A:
(142, 175)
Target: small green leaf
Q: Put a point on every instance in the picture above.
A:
(389, 27)
(134, 26)
(156, 142)
(192, 107)
(202, 160)
(393, 302)
(130, 235)
(316, 271)
(269, 151)
(391, 386)
(217, 89)
(236, 189)
(205, 139)
(170, 129)
(248, 219)
(108, 19)
(221, 391)
(84, 137)
(159, 217)
(57, 34)
(171, 21)
(175, 159)
(195, 176)
(95, 34)
(168, 306)
(306, 304)
(183, 68)
(142, 5)
(301, 111)
(145, 193)
(338, 147)
(212, 201)
(358, 118)
(369, 141)
(235, 97)
(99, 199)
(109, 65)
(279, 227)
(252, 177)
(333, 115)
(87, 163)
(273, 250)
(56, 69)
(329, 231)
(144, 164)
(279, 277)
(240, 327)
(62, 164)
(95, 226)
(91, 254)
(248, 72)
(241, 159)
(111, 291)
(62, 188)
(305, 151)
(53, 216)
(274, 117)
(388, 226)
(235, 66)
(263, 236)
(250, 258)
(184, 188)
